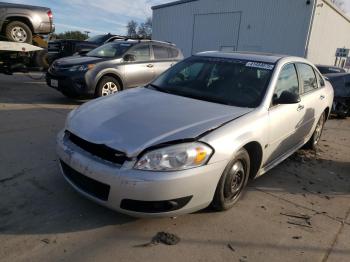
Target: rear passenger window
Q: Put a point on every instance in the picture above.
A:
(320, 80)
(308, 77)
(287, 81)
(162, 52)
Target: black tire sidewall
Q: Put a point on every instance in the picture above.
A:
(219, 203)
(22, 25)
(103, 81)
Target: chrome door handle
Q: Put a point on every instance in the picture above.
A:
(322, 97)
(300, 107)
(149, 65)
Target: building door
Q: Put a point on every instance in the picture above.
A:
(218, 31)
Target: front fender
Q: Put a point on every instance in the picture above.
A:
(111, 71)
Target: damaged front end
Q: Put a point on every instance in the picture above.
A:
(341, 106)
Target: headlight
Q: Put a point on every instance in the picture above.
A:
(177, 157)
(81, 68)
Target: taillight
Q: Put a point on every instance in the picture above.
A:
(49, 13)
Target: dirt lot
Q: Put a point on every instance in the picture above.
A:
(297, 212)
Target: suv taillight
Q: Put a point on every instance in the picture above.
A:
(49, 13)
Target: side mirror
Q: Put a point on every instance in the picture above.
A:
(129, 58)
(287, 98)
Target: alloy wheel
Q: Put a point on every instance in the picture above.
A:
(109, 88)
(318, 131)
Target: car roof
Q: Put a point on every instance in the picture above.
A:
(137, 41)
(254, 56)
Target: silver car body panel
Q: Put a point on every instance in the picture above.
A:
(145, 125)
(137, 119)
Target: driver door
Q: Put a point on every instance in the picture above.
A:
(140, 71)
(284, 120)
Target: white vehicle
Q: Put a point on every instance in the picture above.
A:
(195, 135)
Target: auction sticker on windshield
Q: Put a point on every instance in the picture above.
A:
(260, 65)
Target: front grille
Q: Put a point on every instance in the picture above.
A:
(99, 150)
(86, 184)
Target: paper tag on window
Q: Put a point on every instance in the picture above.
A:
(260, 65)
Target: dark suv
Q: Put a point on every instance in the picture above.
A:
(68, 47)
(112, 67)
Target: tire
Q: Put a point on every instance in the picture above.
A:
(316, 136)
(229, 190)
(108, 85)
(19, 32)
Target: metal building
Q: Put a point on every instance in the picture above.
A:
(309, 28)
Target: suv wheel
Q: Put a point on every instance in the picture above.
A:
(19, 32)
(107, 86)
(232, 182)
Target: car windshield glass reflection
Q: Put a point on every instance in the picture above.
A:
(110, 50)
(220, 80)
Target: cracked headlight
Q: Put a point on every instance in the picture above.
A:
(174, 158)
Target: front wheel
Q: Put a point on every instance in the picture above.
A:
(316, 136)
(232, 182)
(107, 86)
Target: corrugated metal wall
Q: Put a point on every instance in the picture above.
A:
(279, 26)
(330, 31)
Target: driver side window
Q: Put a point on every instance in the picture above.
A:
(287, 81)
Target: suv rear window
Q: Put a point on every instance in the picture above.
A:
(162, 52)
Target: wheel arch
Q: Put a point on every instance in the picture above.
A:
(328, 112)
(255, 152)
(23, 19)
(111, 74)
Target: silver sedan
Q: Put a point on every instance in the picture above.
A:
(196, 135)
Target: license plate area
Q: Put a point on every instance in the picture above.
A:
(54, 83)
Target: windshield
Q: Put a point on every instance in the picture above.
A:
(221, 80)
(110, 50)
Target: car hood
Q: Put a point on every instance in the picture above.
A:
(134, 120)
(77, 60)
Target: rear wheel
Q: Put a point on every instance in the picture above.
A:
(232, 182)
(316, 136)
(19, 32)
(107, 86)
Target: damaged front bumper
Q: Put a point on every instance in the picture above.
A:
(135, 192)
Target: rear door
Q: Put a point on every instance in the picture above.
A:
(141, 70)
(284, 120)
(312, 98)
